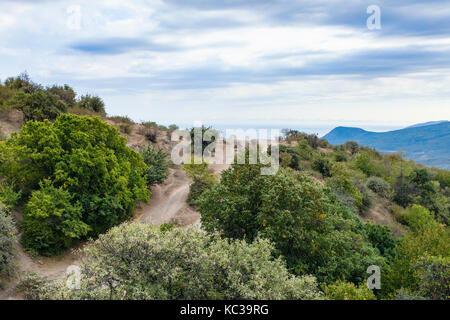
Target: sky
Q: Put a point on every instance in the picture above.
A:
(307, 65)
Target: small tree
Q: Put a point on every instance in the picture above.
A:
(92, 103)
(158, 166)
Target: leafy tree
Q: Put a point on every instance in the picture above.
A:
(65, 94)
(182, 264)
(381, 238)
(157, 165)
(308, 226)
(92, 103)
(85, 157)
(38, 105)
(323, 165)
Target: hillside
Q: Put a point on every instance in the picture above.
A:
(425, 144)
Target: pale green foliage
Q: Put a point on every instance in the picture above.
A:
(7, 243)
(137, 261)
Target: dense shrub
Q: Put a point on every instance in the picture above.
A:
(38, 105)
(381, 238)
(312, 230)
(92, 103)
(65, 93)
(434, 275)
(429, 239)
(87, 163)
(323, 165)
(7, 243)
(342, 290)
(52, 220)
(157, 164)
(182, 264)
(379, 186)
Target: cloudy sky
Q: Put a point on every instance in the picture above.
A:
(310, 65)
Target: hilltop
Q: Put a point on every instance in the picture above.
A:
(425, 143)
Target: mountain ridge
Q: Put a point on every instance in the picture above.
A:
(426, 144)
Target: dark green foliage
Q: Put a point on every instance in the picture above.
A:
(92, 103)
(292, 155)
(65, 94)
(309, 228)
(52, 220)
(157, 164)
(381, 238)
(38, 105)
(90, 170)
(323, 165)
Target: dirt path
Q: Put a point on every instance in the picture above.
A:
(167, 204)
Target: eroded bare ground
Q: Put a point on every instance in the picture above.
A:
(167, 204)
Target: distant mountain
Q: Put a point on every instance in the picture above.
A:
(427, 143)
(427, 124)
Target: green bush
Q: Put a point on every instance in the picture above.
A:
(8, 195)
(32, 286)
(381, 238)
(182, 264)
(87, 163)
(8, 252)
(65, 93)
(157, 165)
(434, 277)
(342, 290)
(379, 186)
(429, 239)
(52, 220)
(92, 103)
(323, 165)
(309, 228)
(38, 105)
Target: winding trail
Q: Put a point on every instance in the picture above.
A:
(168, 203)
